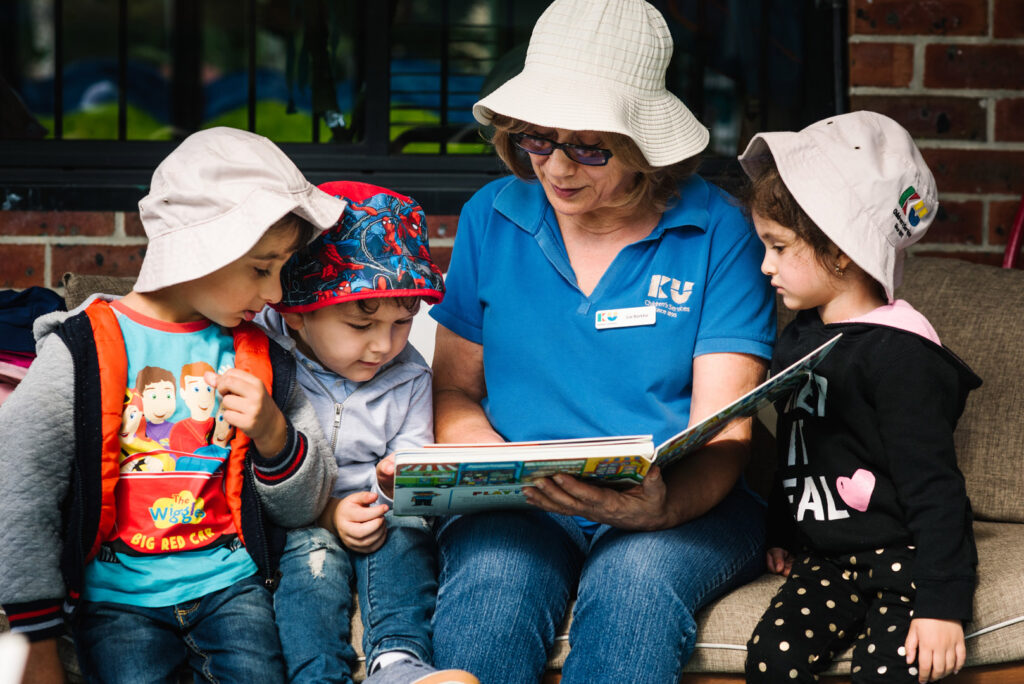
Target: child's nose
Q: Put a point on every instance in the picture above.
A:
(766, 267)
(271, 291)
(380, 343)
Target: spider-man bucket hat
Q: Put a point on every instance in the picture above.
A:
(378, 248)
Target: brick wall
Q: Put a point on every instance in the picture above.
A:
(951, 72)
(37, 248)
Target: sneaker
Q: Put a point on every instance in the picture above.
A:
(413, 671)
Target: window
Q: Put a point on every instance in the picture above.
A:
(93, 93)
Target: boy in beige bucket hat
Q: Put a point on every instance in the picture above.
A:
(165, 555)
(888, 563)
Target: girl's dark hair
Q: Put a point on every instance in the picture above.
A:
(767, 195)
(655, 186)
(304, 230)
(370, 305)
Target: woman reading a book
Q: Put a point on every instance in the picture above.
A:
(602, 289)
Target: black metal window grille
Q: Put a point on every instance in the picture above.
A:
(383, 88)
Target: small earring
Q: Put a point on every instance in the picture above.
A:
(839, 272)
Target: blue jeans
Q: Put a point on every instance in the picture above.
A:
(506, 578)
(313, 602)
(225, 636)
(397, 587)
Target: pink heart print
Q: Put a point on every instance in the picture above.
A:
(856, 491)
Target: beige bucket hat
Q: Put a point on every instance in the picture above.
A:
(599, 65)
(863, 182)
(213, 197)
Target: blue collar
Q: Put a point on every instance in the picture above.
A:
(524, 204)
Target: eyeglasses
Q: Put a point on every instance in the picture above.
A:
(587, 155)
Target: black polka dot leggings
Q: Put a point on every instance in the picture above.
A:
(826, 604)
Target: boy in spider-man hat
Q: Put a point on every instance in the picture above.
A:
(346, 312)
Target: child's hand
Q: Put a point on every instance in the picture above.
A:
(938, 647)
(249, 407)
(360, 524)
(386, 475)
(43, 665)
(780, 561)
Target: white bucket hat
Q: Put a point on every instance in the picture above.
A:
(213, 197)
(599, 65)
(863, 182)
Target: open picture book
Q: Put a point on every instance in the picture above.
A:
(442, 479)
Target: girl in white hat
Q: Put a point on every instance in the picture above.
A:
(602, 215)
(869, 519)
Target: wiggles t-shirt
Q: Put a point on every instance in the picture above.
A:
(174, 539)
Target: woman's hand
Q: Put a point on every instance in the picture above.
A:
(937, 645)
(638, 508)
(780, 561)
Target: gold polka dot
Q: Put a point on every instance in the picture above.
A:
(854, 598)
(846, 574)
(856, 668)
(896, 567)
(809, 634)
(853, 560)
(805, 611)
(879, 552)
(801, 591)
(816, 568)
(806, 561)
(878, 595)
(784, 646)
(831, 626)
(854, 575)
(763, 667)
(883, 610)
(912, 670)
(871, 572)
(778, 605)
(779, 622)
(902, 650)
(841, 634)
(825, 583)
(793, 674)
(913, 586)
(757, 637)
(871, 648)
(905, 599)
(882, 669)
(830, 603)
(892, 628)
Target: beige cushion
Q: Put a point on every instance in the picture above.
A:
(978, 312)
(77, 287)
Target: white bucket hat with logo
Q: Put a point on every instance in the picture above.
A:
(213, 198)
(599, 65)
(863, 182)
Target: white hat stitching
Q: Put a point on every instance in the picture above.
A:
(600, 65)
(213, 198)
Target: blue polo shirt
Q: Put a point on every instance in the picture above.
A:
(550, 372)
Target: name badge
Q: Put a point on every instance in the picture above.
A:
(625, 318)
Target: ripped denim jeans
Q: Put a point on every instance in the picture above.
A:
(397, 588)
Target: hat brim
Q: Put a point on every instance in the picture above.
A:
(660, 124)
(199, 249)
(818, 187)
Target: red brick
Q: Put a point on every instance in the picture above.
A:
(22, 265)
(57, 223)
(881, 64)
(442, 256)
(1000, 220)
(1008, 21)
(976, 171)
(1010, 120)
(990, 258)
(943, 118)
(442, 225)
(935, 17)
(996, 67)
(122, 260)
(956, 223)
(133, 224)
